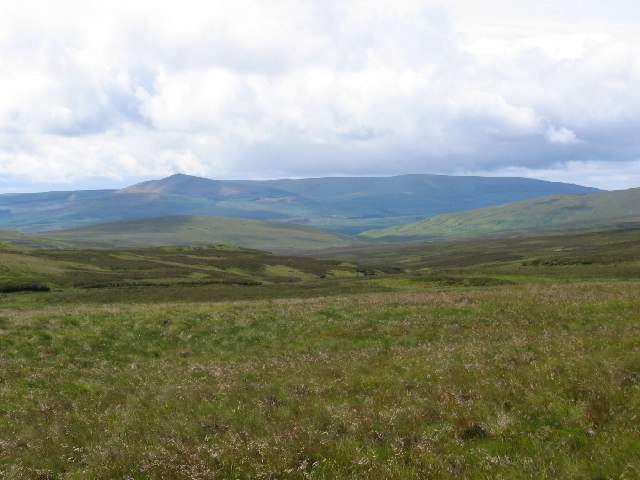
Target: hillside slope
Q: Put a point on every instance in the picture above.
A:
(199, 230)
(420, 194)
(563, 212)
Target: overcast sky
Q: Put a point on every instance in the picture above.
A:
(105, 94)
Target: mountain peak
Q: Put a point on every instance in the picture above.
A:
(181, 175)
(178, 183)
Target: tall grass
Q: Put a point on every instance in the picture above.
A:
(511, 381)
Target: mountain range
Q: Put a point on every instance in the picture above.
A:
(158, 211)
(345, 205)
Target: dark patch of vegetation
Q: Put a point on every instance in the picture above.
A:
(452, 281)
(24, 287)
(171, 284)
(557, 261)
(468, 430)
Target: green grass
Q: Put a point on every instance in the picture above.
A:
(559, 213)
(607, 254)
(514, 382)
(510, 358)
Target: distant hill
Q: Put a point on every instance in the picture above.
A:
(346, 205)
(197, 230)
(614, 209)
(17, 239)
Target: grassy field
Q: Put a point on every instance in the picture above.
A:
(511, 358)
(606, 254)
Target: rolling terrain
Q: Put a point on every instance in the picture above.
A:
(494, 358)
(192, 230)
(556, 213)
(158, 274)
(343, 205)
(578, 256)
(599, 210)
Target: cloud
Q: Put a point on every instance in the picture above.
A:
(290, 88)
(606, 175)
(561, 135)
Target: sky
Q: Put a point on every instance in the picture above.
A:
(106, 94)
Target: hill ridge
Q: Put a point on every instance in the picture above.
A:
(199, 230)
(605, 209)
(340, 204)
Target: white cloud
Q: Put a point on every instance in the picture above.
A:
(561, 135)
(292, 88)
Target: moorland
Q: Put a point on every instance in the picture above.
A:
(487, 358)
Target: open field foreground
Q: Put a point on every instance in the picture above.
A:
(496, 358)
(519, 381)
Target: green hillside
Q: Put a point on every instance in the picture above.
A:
(347, 205)
(199, 230)
(563, 212)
